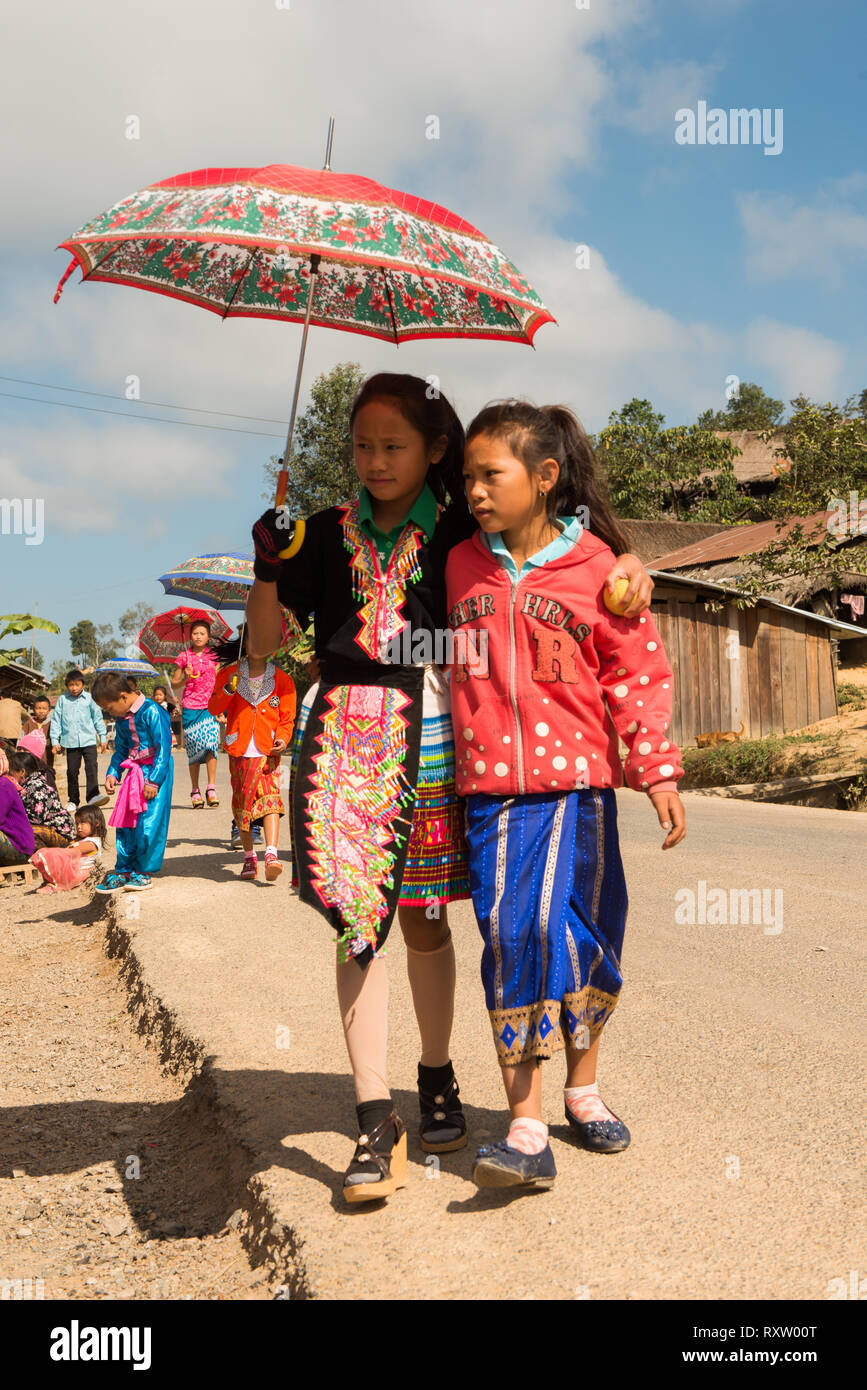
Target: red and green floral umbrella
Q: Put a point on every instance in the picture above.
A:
(239, 242)
(310, 246)
(166, 634)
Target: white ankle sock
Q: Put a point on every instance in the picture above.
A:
(586, 1104)
(528, 1136)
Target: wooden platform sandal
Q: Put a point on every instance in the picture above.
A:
(366, 1160)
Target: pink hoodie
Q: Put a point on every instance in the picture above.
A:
(561, 678)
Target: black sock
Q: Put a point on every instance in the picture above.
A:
(435, 1079)
(372, 1113)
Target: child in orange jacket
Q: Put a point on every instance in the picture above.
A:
(258, 700)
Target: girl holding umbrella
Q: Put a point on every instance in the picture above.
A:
(195, 675)
(181, 638)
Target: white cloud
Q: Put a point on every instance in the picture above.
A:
(825, 240)
(801, 361)
(223, 82)
(656, 94)
(107, 478)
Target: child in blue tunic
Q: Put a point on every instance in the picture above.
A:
(143, 746)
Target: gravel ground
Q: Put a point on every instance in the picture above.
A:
(115, 1180)
(733, 1058)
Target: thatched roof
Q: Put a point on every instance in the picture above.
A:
(20, 682)
(757, 462)
(648, 539)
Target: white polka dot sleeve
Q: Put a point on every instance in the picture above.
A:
(637, 681)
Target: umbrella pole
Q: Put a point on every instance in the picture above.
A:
(283, 475)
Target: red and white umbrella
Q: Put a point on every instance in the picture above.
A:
(166, 634)
(310, 246)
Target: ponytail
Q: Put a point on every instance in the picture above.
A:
(231, 650)
(554, 431)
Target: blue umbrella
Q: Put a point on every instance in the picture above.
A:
(221, 580)
(128, 666)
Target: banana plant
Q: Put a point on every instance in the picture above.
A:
(15, 624)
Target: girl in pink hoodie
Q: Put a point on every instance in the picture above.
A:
(544, 680)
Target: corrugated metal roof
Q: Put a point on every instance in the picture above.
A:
(848, 630)
(739, 540)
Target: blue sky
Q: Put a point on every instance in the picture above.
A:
(557, 129)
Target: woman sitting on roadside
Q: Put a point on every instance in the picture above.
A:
(53, 826)
(16, 832)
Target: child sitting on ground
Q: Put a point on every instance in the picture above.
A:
(68, 868)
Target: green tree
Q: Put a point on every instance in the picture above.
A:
(13, 625)
(654, 472)
(862, 402)
(822, 468)
(35, 659)
(131, 623)
(749, 409)
(106, 643)
(91, 644)
(57, 674)
(824, 457)
(82, 642)
(321, 468)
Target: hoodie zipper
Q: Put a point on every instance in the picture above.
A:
(519, 741)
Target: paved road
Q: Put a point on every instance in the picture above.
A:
(734, 1058)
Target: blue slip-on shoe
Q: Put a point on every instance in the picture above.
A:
(137, 882)
(258, 835)
(235, 839)
(600, 1136)
(499, 1165)
(113, 882)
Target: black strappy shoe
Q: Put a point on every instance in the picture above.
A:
(443, 1127)
(372, 1175)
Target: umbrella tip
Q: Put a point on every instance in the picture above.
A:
(327, 164)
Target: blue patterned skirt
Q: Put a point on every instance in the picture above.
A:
(550, 899)
(201, 735)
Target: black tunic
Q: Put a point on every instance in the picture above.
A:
(358, 764)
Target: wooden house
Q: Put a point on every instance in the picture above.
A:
(755, 671)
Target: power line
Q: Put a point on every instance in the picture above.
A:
(163, 405)
(131, 415)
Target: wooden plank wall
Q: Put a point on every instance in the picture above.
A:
(766, 669)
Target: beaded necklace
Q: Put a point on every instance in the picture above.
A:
(382, 595)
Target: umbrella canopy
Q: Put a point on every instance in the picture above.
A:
(166, 634)
(223, 581)
(239, 241)
(128, 666)
(220, 580)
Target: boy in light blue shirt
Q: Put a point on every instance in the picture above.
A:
(77, 726)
